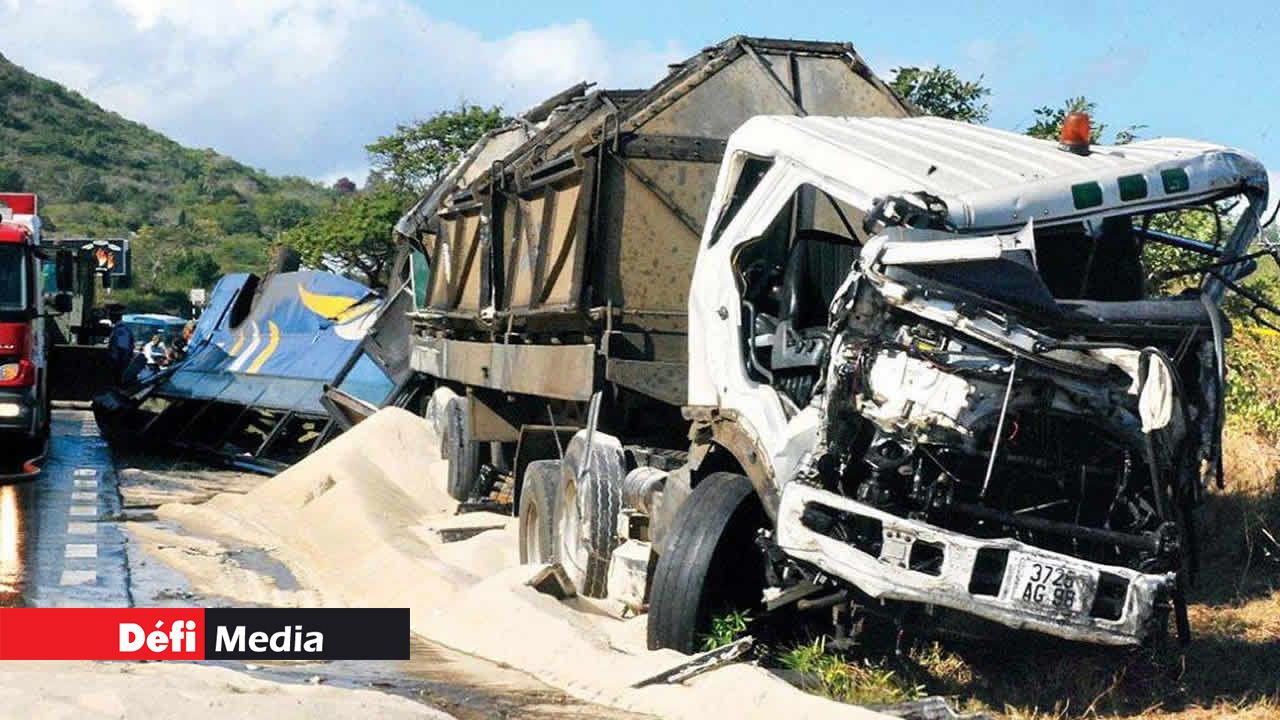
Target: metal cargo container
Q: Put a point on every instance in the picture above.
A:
(578, 224)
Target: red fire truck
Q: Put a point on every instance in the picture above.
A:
(24, 383)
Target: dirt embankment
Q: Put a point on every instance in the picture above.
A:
(358, 524)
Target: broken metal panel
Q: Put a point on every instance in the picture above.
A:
(380, 374)
(385, 341)
(498, 145)
(345, 410)
(580, 130)
(414, 223)
(883, 568)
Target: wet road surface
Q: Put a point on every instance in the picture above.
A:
(63, 544)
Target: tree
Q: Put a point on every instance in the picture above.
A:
(417, 153)
(278, 214)
(941, 92)
(166, 257)
(198, 267)
(235, 218)
(11, 180)
(352, 235)
(344, 186)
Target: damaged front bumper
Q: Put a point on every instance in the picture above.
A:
(1003, 580)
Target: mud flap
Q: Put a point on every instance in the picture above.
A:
(25, 469)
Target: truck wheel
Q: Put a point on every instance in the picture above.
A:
(711, 564)
(434, 413)
(537, 512)
(461, 452)
(587, 510)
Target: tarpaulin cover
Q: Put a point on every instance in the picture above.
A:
(301, 330)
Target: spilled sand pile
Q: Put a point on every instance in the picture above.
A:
(358, 523)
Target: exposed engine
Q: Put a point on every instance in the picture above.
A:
(960, 394)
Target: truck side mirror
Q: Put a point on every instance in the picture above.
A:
(62, 302)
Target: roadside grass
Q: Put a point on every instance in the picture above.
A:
(725, 629)
(1230, 669)
(856, 681)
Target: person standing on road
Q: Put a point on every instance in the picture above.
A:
(155, 353)
(178, 351)
(120, 349)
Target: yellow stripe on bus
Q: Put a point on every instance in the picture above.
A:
(272, 343)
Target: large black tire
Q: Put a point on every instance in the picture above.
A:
(537, 512)
(434, 412)
(711, 564)
(461, 452)
(587, 508)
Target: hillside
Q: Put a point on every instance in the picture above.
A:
(196, 213)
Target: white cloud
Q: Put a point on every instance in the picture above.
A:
(299, 86)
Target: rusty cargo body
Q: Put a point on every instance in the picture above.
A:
(560, 248)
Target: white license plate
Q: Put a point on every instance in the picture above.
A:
(1049, 585)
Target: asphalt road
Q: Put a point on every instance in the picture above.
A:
(60, 540)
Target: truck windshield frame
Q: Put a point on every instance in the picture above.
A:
(14, 279)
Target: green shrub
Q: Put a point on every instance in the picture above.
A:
(1253, 380)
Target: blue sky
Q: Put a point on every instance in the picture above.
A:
(1180, 67)
(299, 86)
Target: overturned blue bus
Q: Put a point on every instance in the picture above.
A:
(270, 367)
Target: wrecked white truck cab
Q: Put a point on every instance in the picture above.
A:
(936, 344)
(722, 351)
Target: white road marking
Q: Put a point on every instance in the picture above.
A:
(79, 577)
(83, 511)
(85, 472)
(82, 528)
(84, 497)
(82, 550)
(89, 484)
